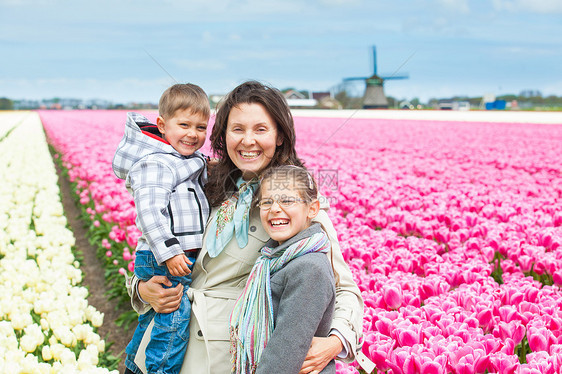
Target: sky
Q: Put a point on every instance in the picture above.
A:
(131, 51)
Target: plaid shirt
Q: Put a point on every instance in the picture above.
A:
(167, 189)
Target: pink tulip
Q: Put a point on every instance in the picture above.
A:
(393, 296)
(408, 336)
(538, 338)
(513, 330)
(557, 277)
(504, 364)
(127, 256)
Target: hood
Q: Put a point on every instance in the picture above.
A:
(141, 139)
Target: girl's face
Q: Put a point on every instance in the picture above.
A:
(251, 138)
(283, 212)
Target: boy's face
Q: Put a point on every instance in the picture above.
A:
(185, 130)
(289, 214)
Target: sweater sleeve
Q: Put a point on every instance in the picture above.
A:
(307, 293)
(152, 183)
(348, 314)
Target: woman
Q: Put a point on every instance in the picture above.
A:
(253, 131)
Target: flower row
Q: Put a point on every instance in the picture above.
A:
(46, 324)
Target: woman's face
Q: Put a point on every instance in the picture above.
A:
(251, 138)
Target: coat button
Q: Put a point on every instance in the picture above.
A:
(199, 333)
(253, 228)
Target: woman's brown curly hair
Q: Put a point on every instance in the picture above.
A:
(222, 179)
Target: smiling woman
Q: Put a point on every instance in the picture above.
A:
(251, 138)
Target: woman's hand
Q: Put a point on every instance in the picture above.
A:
(162, 300)
(321, 352)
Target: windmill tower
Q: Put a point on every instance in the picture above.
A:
(374, 97)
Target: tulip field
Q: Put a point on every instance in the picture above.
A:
(452, 230)
(46, 324)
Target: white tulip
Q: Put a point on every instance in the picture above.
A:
(28, 343)
(46, 353)
(68, 357)
(97, 319)
(20, 321)
(56, 350)
(44, 324)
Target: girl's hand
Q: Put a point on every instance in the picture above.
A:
(321, 352)
(162, 300)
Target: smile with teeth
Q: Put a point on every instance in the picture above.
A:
(189, 144)
(279, 222)
(249, 154)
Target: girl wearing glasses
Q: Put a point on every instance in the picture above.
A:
(272, 325)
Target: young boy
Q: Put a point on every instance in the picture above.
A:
(165, 173)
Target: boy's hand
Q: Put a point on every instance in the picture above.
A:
(177, 265)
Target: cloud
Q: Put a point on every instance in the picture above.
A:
(201, 65)
(457, 6)
(533, 6)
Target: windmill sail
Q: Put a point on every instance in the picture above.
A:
(374, 97)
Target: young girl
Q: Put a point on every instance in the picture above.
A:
(289, 298)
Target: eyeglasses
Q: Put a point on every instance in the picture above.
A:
(284, 202)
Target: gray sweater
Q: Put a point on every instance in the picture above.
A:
(303, 294)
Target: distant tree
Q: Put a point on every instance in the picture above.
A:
(346, 101)
(509, 97)
(6, 104)
(432, 102)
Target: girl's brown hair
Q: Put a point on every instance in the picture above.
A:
(293, 178)
(222, 180)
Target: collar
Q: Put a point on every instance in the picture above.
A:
(314, 228)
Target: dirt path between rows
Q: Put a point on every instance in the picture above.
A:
(94, 278)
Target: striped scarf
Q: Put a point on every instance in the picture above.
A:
(251, 321)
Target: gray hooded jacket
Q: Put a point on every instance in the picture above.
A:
(167, 189)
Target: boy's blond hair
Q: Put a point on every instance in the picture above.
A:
(184, 96)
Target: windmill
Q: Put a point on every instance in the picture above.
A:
(374, 97)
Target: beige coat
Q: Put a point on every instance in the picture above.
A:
(217, 283)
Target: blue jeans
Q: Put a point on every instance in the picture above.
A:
(170, 333)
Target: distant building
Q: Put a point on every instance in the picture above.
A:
(297, 99)
(320, 95)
